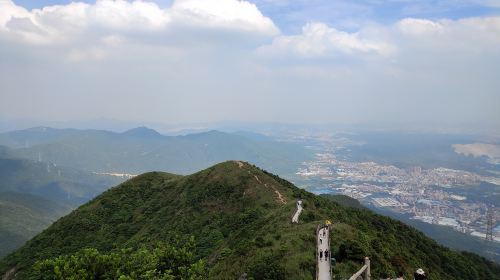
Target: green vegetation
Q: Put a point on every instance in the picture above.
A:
(23, 216)
(240, 226)
(51, 181)
(447, 236)
(34, 194)
(162, 262)
(343, 200)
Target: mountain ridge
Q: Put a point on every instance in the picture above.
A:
(241, 225)
(142, 149)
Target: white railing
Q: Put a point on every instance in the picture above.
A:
(317, 252)
(365, 270)
(318, 228)
(295, 218)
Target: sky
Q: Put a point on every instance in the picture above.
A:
(302, 61)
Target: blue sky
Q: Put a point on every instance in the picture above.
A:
(291, 15)
(351, 14)
(303, 61)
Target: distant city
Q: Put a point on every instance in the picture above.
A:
(429, 195)
(444, 196)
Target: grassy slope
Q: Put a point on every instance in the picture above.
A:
(344, 200)
(238, 224)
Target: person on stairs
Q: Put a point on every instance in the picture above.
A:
(419, 275)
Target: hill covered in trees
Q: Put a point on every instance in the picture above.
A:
(239, 218)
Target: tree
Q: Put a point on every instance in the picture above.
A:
(163, 262)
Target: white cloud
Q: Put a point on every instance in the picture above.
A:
(465, 38)
(480, 27)
(223, 14)
(133, 59)
(123, 15)
(413, 26)
(74, 21)
(318, 39)
(8, 10)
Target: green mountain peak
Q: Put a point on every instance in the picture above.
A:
(240, 218)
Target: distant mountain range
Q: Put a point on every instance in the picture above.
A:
(142, 149)
(60, 169)
(240, 217)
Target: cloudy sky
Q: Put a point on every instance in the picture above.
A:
(301, 61)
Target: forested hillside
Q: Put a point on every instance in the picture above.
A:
(239, 216)
(35, 194)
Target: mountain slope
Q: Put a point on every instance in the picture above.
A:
(240, 217)
(447, 236)
(142, 149)
(51, 181)
(35, 194)
(23, 216)
(34, 136)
